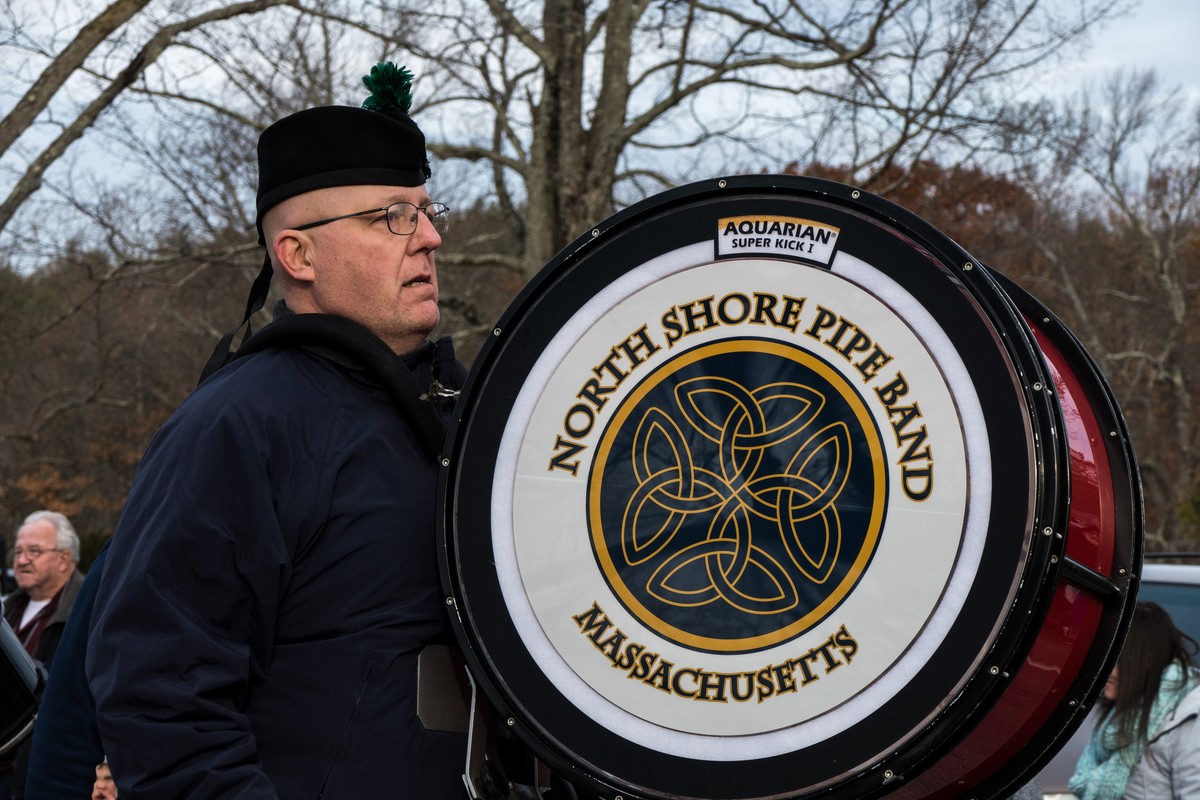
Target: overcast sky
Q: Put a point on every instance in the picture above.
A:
(1163, 34)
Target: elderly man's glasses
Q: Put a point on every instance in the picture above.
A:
(401, 217)
(34, 553)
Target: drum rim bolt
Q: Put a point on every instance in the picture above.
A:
(720, 184)
(855, 194)
(968, 266)
(994, 670)
(495, 331)
(511, 721)
(1037, 386)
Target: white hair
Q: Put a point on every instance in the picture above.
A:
(65, 537)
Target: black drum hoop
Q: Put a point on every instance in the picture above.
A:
(1024, 421)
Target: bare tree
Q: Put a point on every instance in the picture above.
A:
(71, 60)
(131, 138)
(1117, 175)
(572, 108)
(590, 106)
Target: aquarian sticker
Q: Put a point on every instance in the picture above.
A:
(764, 234)
(737, 501)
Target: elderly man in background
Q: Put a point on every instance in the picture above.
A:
(44, 565)
(44, 561)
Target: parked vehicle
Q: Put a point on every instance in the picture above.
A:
(1175, 587)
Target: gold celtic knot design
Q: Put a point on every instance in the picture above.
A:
(758, 503)
(737, 495)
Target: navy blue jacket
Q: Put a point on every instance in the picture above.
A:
(268, 589)
(65, 747)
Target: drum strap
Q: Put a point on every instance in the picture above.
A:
(255, 300)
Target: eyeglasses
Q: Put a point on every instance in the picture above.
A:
(34, 552)
(401, 217)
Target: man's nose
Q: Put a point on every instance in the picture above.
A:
(428, 234)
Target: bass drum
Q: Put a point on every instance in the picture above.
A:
(20, 687)
(765, 488)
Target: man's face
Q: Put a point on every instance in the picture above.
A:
(364, 272)
(104, 788)
(43, 576)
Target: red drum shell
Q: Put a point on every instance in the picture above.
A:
(1080, 636)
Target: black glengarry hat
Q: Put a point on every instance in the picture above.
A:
(344, 146)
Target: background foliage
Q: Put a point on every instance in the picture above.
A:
(127, 158)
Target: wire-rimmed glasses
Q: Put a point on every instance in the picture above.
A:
(401, 217)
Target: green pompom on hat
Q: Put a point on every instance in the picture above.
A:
(378, 144)
(390, 87)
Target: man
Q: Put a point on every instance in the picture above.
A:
(44, 563)
(273, 580)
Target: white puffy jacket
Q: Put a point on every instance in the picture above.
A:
(1170, 767)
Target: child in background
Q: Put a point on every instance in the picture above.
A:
(104, 788)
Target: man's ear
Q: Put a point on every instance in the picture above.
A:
(294, 255)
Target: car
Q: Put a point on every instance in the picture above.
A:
(1175, 587)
